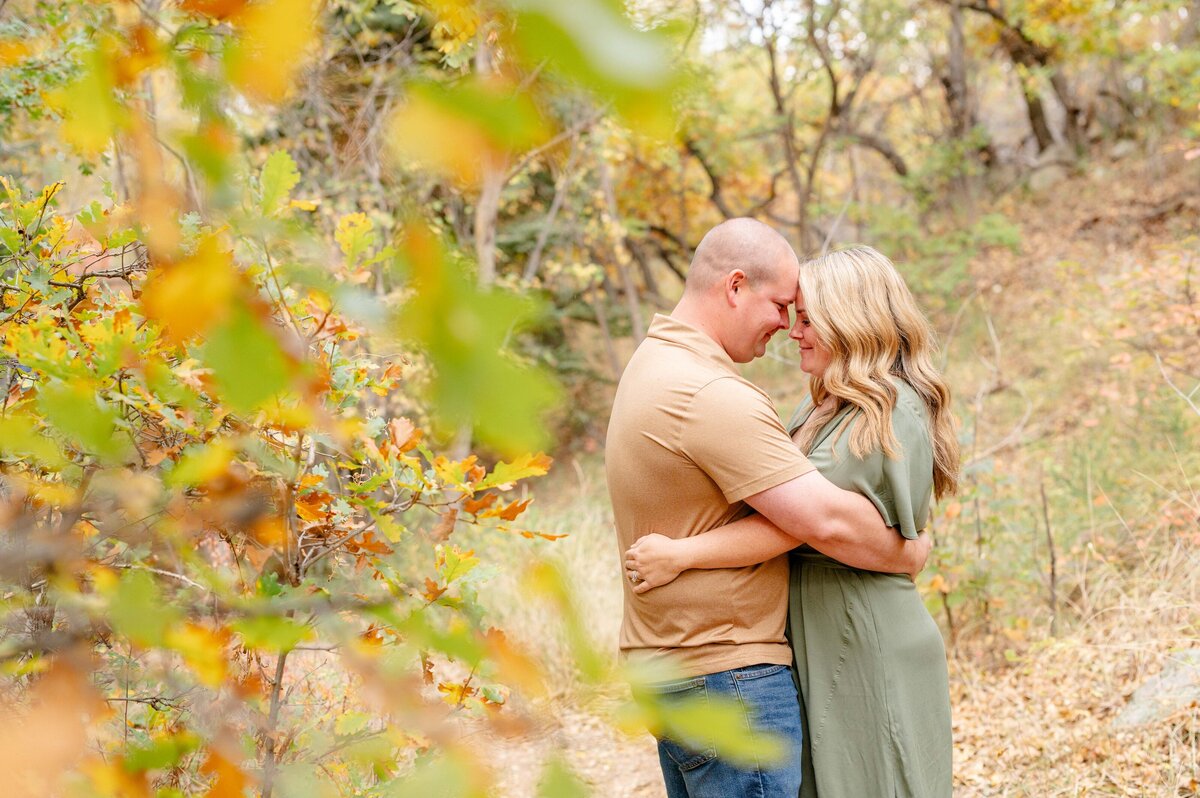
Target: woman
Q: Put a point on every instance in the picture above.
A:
(869, 659)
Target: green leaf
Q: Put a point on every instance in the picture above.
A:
(351, 723)
(10, 239)
(559, 781)
(91, 113)
(161, 753)
(304, 780)
(248, 364)
(19, 437)
(77, 412)
(271, 634)
(454, 563)
(714, 721)
(279, 176)
(523, 467)
(437, 778)
(459, 326)
(201, 462)
(139, 611)
(392, 529)
(459, 641)
(592, 44)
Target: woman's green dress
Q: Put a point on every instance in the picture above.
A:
(870, 660)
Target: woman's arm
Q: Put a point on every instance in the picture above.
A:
(658, 559)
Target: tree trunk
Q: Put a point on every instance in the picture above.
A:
(492, 180)
(487, 210)
(956, 77)
(621, 256)
(1037, 114)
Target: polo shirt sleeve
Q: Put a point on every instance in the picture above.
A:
(733, 433)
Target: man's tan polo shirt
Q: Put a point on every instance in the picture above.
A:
(688, 440)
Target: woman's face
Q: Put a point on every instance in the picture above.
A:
(814, 357)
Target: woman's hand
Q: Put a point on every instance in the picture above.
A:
(652, 561)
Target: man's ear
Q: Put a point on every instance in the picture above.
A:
(735, 283)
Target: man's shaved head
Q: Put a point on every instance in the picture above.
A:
(746, 244)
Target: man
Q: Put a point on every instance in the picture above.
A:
(692, 446)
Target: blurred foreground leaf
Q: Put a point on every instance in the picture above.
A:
(464, 330)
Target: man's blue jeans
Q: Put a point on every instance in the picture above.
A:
(767, 696)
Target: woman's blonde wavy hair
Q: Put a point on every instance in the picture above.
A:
(867, 318)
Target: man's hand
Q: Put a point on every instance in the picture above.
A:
(652, 561)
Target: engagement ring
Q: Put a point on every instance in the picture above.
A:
(634, 578)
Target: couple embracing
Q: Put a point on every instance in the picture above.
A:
(711, 492)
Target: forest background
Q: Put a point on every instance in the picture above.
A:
(298, 300)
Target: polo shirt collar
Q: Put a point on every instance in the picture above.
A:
(672, 330)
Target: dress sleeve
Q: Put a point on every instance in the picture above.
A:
(908, 479)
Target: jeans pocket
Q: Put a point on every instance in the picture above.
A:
(691, 753)
(758, 672)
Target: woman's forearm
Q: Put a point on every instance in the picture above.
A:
(747, 541)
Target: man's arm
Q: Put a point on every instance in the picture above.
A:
(658, 559)
(845, 529)
(839, 523)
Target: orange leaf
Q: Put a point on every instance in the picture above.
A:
(309, 481)
(392, 373)
(445, 527)
(516, 667)
(217, 9)
(313, 506)
(369, 542)
(189, 297)
(52, 734)
(455, 694)
(510, 512)
(432, 590)
(473, 506)
(426, 669)
(230, 781)
(403, 434)
(373, 636)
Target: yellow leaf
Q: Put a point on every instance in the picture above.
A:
(304, 205)
(431, 135)
(455, 694)
(353, 234)
(274, 37)
(13, 53)
(90, 111)
(202, 649)
(190, 297)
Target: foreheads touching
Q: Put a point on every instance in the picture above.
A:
(860, 306)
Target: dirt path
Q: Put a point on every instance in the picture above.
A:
(613, 765)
